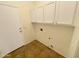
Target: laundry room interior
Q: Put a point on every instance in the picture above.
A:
(39, 29)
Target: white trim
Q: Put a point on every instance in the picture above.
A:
(9, 4)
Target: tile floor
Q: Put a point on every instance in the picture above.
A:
(35, 49)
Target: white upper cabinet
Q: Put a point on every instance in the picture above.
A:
(37, 15)
(65, 12)
(59, 12)
(44, 14)
(49, 13)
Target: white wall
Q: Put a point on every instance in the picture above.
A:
(61, 36)
(75, 38)
(26, 21)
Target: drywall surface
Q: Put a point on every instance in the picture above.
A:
(26, 21)
(75, 39)
(74, 43)
(60, 36)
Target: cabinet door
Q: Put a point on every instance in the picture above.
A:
(37, 15)
(49, 13)
(65, 12)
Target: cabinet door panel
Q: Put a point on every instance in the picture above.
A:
(33, 15)
(37, 15)
(49, 13)
(65, 12)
